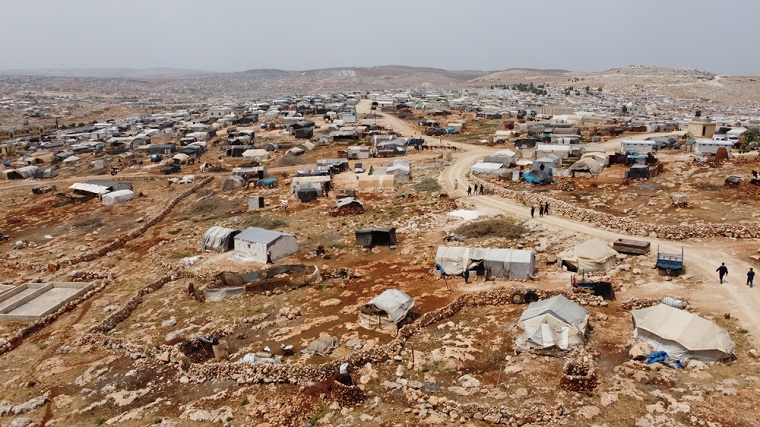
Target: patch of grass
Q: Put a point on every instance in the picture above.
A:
(180, 255)
(743, 331)
(99, 421)
(505, 227)
(429, 185)
(318, 414)
(215, 206)
(263, 222)
(89, 223)
(338, 246)
(175, 231)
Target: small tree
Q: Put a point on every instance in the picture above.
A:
(698, 113)
(624, 109)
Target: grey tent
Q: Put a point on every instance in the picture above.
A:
(386, 311)
(219, 239)
(511, 264)
(45, 173)
(368, 237)
(681, 334)
(307, 194)
(233, 182)
(554, 322)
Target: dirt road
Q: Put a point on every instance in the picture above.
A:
(701, 258)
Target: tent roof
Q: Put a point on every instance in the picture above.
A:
(588, 253)
(394, 302)
(559, 307)
(260, 235)
(90, 188)
(689, 330)
(347, 201)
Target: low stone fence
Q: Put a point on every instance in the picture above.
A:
(622, 224)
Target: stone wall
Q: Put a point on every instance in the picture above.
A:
(622, 224)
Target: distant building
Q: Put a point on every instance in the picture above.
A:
(700, 128)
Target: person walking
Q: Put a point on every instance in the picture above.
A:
(722, 271)
(546, 208)
(532, 211)
(540, 210)
(469, 190)
(481, 188)
(750, 277)
(466, 274)
(456, 184)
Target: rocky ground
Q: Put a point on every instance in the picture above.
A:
(132, 352)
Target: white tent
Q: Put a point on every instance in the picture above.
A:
(71, 159)
(511, 264)
(483, 168)
(554, 322)
(591, 255)
(118, 196)
(386, 310)
(219, 239)
(681, 334)
(257, 154)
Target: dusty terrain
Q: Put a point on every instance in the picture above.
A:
(121, 356)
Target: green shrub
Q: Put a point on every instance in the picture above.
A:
(428, 185)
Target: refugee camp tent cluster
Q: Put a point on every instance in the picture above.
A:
(386, 311)
(511, 264)
(592, 255)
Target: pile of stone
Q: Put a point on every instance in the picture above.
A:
(580, 373)
(636, 303)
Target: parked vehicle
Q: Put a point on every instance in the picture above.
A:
(174, 168)
(670, 263)
(155, 158)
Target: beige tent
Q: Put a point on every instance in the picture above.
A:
(377, 182)
(591, 255)
(681, 334)
(386, 311)
(554, 322)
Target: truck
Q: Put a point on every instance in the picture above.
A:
(670, 263)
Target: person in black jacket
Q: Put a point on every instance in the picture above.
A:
(722, 271)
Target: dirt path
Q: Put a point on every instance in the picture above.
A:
(701, 258)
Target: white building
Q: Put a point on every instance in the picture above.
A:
(219, 111)
(709, 146)
(261, 245)
(641, 147)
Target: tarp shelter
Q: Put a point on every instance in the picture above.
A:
(377, 182)
(587, 165)
(100, 186)
(307, 193)
(181, 158)
(233, 182)
(255, 203)
(505, 157)
(554, 322)
(371, 236)
(638, 172)
(484, 168)
(591, 255)
(255, 243)
(546, 163)
(21, 173)
(118, 196)
(45, 173)
(386, 311)
(681, 334)
(257, 154)
(71, 159)
(219, 239)
(512, 264)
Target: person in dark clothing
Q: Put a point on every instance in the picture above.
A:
(481, 188)
(469, 190)
(546, 208)
(466, 274)
(540, 210)
(532, 211)
(722, 271)
(750, 277)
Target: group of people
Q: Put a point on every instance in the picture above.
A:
(470, 190)
(723, 271)
(543, 209)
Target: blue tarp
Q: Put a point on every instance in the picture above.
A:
(537, 177)
(662, 357)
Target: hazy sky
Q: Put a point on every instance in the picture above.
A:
(236, 35)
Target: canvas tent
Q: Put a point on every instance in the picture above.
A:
(256, 243)
(511, 264)
(681, 334)
(368, 237)
(233, 182)
(118, 196)
(219, 239)
(554, 322)
(591, 255)
(386, 311)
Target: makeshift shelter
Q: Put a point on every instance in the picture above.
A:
(118, 196)
(255, 203)
(261, 245)
(369, 237)
(386, 311)
(485, 168)
(591, 255)
(587, 165)
(349, 206)
(21, 173)
(307, 193)
(45, 173)
(233, 182)
(256, 154)
(554, 322)
(100, 186)
(505, 157)
(219, 239)
(511, 264)
(377, 182)
(681, 334)
(547, 163)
